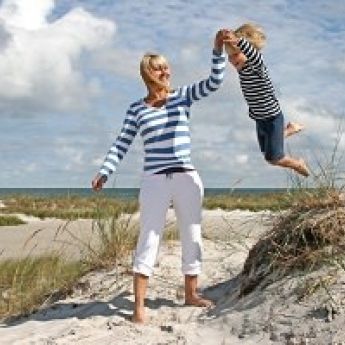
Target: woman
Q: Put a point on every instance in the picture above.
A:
(162, 119)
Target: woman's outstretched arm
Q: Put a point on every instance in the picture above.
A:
(198, 90)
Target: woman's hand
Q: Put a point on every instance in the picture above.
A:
(218, 41)
(222, 36)
(98, 182)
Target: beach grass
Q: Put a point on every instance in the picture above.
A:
(252, 202)
(6, 220)
(117, 234)
(76, 207)
(171, 233)
(67, 207)
(308, 236)
(30, 283)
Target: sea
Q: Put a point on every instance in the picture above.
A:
(124, 193)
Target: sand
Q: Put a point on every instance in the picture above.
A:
(37, 237)
(99, 310)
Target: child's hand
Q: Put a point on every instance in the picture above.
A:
(230, 38)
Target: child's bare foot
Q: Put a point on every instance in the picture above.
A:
(302, 168)
(199, 301)
(138, 316)
(292, 128)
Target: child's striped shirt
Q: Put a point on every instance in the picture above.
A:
(165, 131)
(256, 85)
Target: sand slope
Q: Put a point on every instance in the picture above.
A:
(99, 310)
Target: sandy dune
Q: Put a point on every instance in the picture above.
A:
(98, 312)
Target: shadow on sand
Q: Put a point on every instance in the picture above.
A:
(121, 305)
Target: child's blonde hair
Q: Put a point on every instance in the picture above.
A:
(253, 33)
(148, 62)
(231, 49)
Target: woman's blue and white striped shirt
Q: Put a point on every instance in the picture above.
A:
(256, 84)
(165, 131)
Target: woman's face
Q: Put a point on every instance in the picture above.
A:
(161, 72)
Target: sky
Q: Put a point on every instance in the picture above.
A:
(70, 68)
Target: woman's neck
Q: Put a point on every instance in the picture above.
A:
(156, 97)
(157, 94)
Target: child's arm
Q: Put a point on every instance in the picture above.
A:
(201, 89)
(253, 55)
(120, 146)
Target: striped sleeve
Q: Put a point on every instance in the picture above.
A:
(203, 88)
(253, 55)
(120, 147)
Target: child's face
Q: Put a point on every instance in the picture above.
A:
(237, 59)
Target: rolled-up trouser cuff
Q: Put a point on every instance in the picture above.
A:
(191, 270)
(142, 269)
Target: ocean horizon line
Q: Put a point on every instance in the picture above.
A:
(123, 192)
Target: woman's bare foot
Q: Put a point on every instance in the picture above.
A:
(302, 168)
(199, 301)
(292, 128)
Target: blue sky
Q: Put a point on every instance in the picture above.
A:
(69, 69)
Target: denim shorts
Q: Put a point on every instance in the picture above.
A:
(270, 134)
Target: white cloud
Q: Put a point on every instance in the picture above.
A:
(72, 157)
(24, 15)
(190, 53)
(123, 62)
(40, 65)
(317, 121)
(241, 159)
(32, 167)
(341, 67)
(97, 162)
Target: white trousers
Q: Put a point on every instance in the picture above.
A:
(185, 190)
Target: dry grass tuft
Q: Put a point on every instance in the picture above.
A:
(28, 284)
(117, 233)
(254, 202)
(303, 238)
(171, 232)
(65, 207)
(10, 220)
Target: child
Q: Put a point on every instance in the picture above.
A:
(243, 46)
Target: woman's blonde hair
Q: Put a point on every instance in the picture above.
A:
(147, 64)
(253, 33)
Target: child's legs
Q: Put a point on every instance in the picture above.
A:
(154, 202)
(270, 134)
(261, 136)
(292, 128)
(188, 193)
(296, 164)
